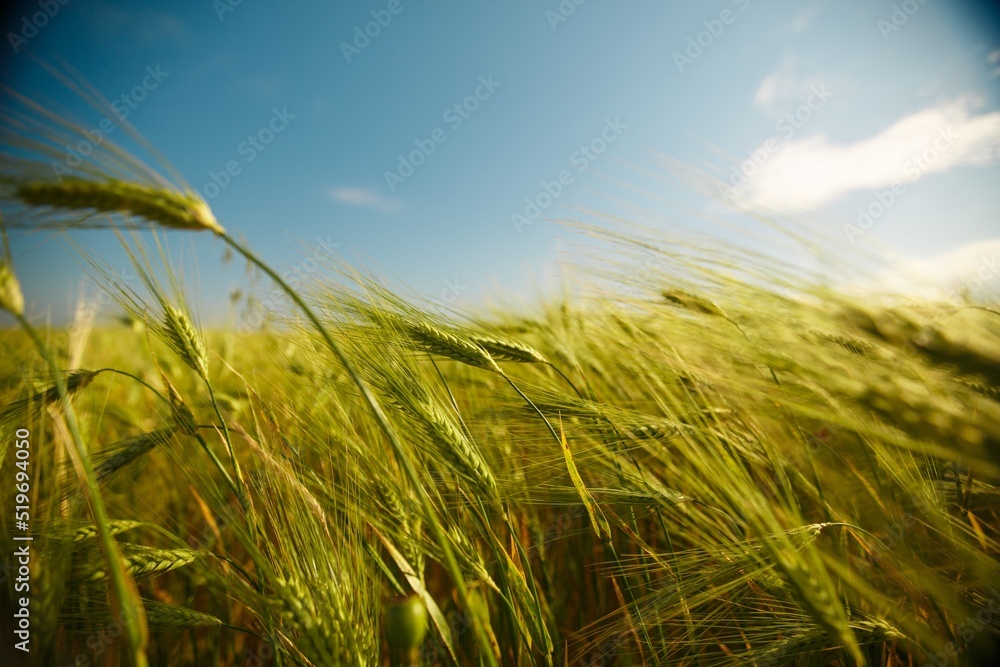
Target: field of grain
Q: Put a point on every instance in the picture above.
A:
(697, 457)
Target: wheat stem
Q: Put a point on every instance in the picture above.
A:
(383, 421)
(125, 593)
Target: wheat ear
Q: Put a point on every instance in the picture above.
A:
(89, 532)
(73, 381)
(174, 616)
(509, 350)
(321, 636)
(447, 344)
(692, 302)
(185, 340)
(147, 561)
(130, 450)
(166, 207)
(456, 447)
(812, 589)
(407, 524)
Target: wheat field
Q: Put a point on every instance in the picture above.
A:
(714, 460)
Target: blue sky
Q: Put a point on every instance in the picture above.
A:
(498, 106)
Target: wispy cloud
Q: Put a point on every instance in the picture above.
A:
(782, 88)
(768, 90)
(807, 173)
(973, 268)
(364, 198)
(775, 86)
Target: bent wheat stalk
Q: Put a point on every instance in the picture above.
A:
(175, 210)
(451, 563)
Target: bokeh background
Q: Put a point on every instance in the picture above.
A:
(434, 143)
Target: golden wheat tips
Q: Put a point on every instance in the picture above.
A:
(11, 298)
(158, 205)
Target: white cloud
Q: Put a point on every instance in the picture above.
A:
(974, 267)
(807, 173)
(363, 197)
(767, 90)
(776, 87)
